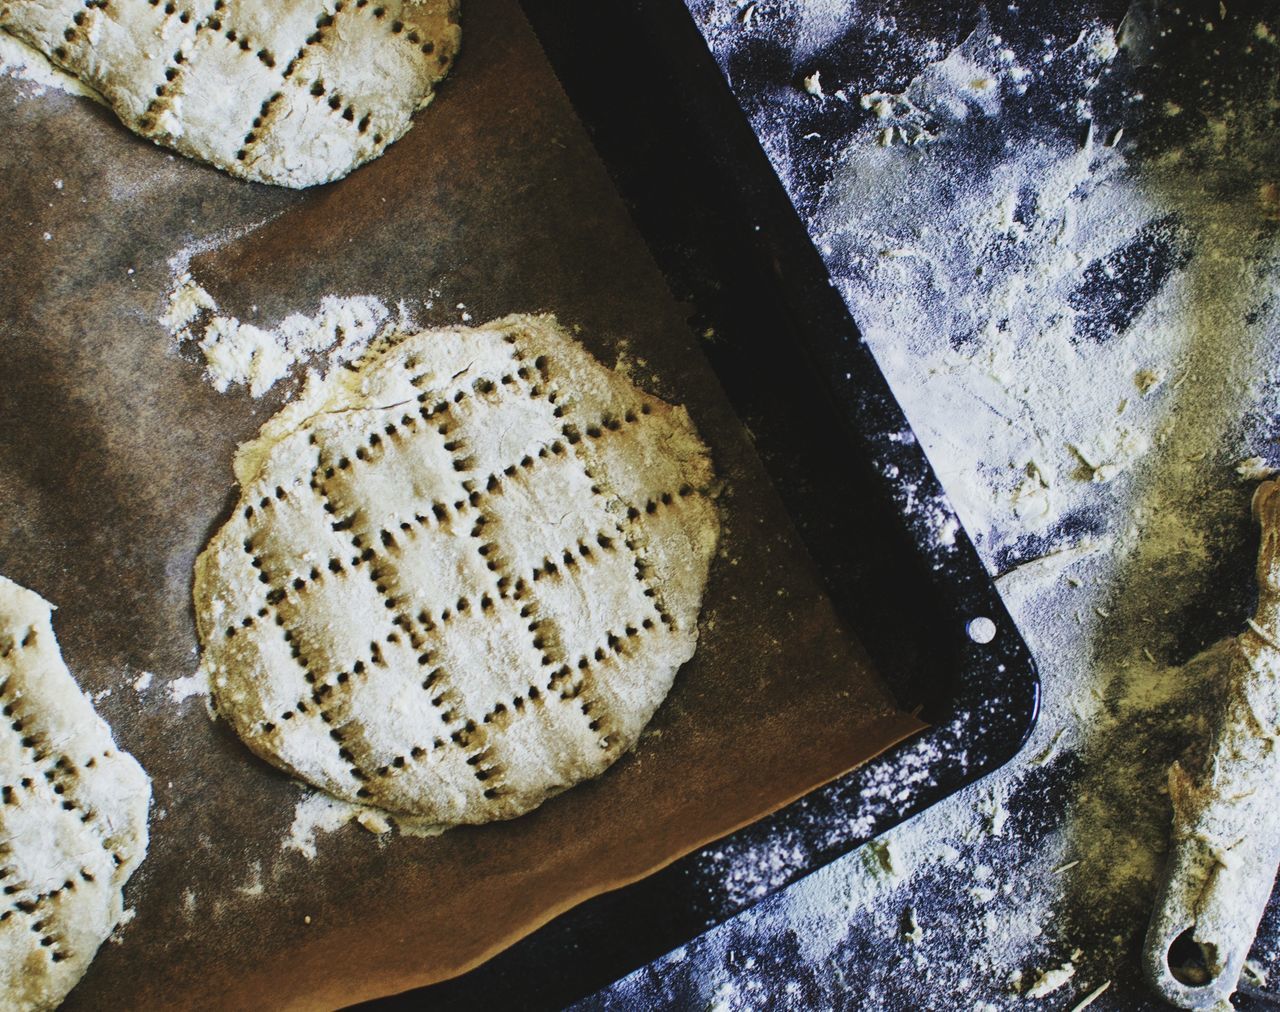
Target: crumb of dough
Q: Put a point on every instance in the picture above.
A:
(1254, 469)
(374, 822)
(1050, 980)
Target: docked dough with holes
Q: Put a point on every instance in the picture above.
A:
(73, 817)
(461, 578)
(293, 92)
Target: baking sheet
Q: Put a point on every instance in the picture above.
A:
(115, 469)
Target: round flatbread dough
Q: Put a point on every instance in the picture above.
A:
(460, 578)
(73, 817)
(294, 92)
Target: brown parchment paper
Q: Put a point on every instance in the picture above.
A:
(115, 468)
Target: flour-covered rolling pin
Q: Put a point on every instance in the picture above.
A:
(1225, 846)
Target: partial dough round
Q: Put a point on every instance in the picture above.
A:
(73, 816)
(461, 578)
(294, 92)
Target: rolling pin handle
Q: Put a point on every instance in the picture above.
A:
(1189, 972)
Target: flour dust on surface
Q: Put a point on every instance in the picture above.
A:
(1063, 246)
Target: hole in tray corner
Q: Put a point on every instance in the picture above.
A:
(981, 630)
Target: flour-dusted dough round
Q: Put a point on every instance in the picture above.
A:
(460, 578)
(73, 814)
(294, 92)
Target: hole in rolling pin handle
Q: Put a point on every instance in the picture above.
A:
(981, 630)
(1193, 963)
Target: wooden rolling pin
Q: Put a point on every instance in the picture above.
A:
(1225, 847)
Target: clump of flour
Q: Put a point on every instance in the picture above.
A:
(317, 812)
(182, 689)
(239, 353)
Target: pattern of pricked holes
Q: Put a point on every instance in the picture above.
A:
(252, 136)
(323, 695)
(214, 22)
(568, 682)
(77, 21)
(348, 111)
(58, 776)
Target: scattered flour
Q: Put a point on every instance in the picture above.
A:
(126, 918)
(1091, 997)
(967, 81)
(1080, 323)
(254, 887)
(983, 280)
(239, 353)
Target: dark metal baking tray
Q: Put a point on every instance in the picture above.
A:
(840, 451)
